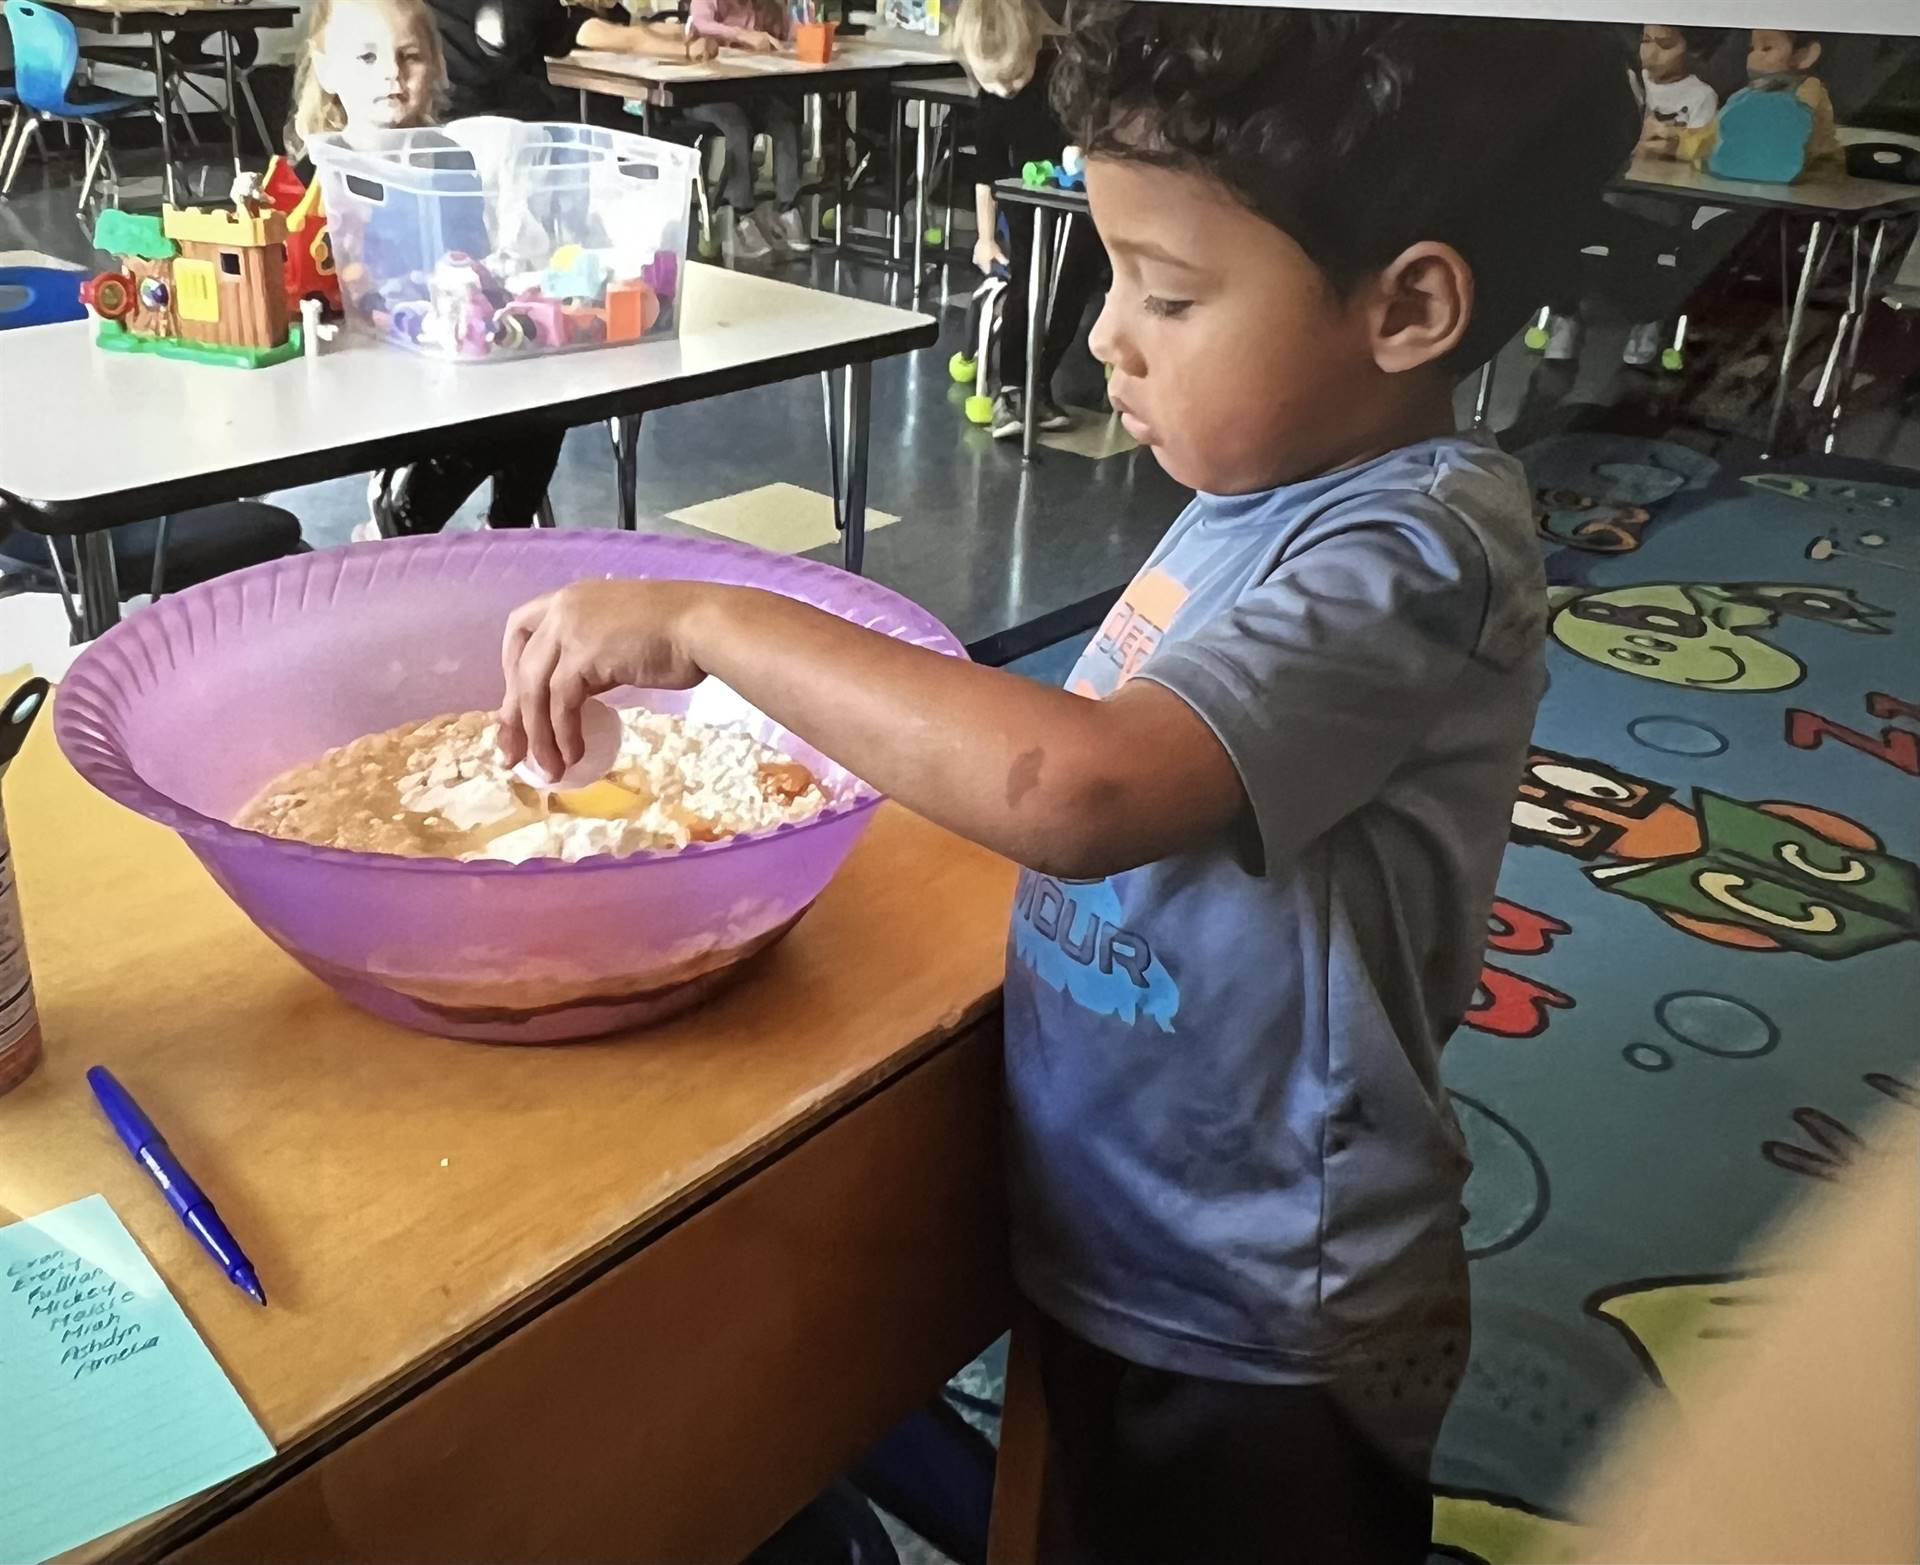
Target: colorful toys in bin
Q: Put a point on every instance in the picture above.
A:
(469, 308)
(195, 283)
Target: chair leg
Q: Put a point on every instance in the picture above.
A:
(543, 514)
(14, 117)
(30, 131)
(253, 109)
(96, 150)
(159, 582)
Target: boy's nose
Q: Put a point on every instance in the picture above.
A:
(1107, 341)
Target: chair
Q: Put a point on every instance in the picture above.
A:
(199, 64)
(46, 56)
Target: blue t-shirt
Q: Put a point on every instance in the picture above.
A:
(1230, 1150)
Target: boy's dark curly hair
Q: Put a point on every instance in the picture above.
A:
(1359, 135)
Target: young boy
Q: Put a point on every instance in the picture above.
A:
(1260, 857)
(1783, 61)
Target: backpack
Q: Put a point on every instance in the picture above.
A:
(1764, 131)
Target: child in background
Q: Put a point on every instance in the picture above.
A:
(763, 27)
(1784, 61)
(372, 65)
(1672, 95)
(497, 50)
(1262, 830)
(1007, 46)
(1637, 230)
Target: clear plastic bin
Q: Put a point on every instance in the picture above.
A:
(489, 238)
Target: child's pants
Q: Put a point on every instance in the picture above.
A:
(1147, 1467)
(738, 123)
(423, 496)
(1081, 273)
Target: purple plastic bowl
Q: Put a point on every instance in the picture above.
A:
(188, 708)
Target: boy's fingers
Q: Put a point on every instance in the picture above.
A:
(566, 695)
(536, 716)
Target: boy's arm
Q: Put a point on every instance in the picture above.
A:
(656, 40)
(1075, 787)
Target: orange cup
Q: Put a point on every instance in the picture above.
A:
(813, 41)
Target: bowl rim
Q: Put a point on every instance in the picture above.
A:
(84, 725)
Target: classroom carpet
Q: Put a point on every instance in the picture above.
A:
(1698, 993)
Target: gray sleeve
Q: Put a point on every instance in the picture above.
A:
(1323, 677)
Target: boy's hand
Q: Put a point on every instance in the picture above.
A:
(701, 48)
(987, 254)
(588, 638)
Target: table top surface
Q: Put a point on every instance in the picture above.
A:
(1051, 195)
(740, 67)
(84, 435)
(403, 1196)
(254, 10)
(1833, 194)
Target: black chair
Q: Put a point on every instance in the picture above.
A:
(155, 557)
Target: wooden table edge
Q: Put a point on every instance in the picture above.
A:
(155, 1536)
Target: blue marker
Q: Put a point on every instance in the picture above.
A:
(151, 1152)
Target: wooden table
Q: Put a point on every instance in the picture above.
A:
(630, 1300)
(1836, 204)
(159, 17)
(738, 73)
(91, 439)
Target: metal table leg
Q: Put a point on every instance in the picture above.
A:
(1847, 314)
(833, 449)
(98, 584)
(1037, 293)
(1818, 238)
(920, 197)
(626, 469)
(1483, 397)
(859, 410)
(836, 117)
(233, 94)
(1869, 285)
(162, 78)
(896, 150)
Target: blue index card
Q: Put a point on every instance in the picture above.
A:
(111, 1407)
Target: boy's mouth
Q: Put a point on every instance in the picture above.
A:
(1130, 421)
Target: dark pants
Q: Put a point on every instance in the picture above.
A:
(1081, 274)
(738, 124)
(1637, 231)
(1146, 1467)
(421, 497)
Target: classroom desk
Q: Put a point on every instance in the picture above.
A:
(156, 18)
(91, 439)
(737, 73)
(636, 1299)
(1837, 205)
(1050, 203)
(953, 93)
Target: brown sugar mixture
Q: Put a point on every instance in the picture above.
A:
(439, 789)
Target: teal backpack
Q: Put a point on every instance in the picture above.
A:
(1764, 131)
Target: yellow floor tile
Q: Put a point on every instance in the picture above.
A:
(1094, 435)
(783, 517)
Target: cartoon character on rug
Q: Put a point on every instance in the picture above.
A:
(1761, 876)
(1596, 492)
(1701, 635)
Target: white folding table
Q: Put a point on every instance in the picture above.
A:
(90, 439)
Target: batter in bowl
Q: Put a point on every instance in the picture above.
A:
(438, 789)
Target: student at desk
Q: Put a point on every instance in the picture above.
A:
(497, 50)
(763, 27)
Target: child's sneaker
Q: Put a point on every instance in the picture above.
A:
(1049, 415)
(1643, 345)
(790, 231)
(367, 532)
(749, 244)
(1009, 418)
(1563, 339)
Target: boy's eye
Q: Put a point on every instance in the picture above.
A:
(1166, 309)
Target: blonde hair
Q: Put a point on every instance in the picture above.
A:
(998, 40)
(314, 108)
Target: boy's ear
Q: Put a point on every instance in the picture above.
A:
(1807, 56)
(1422, 304)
